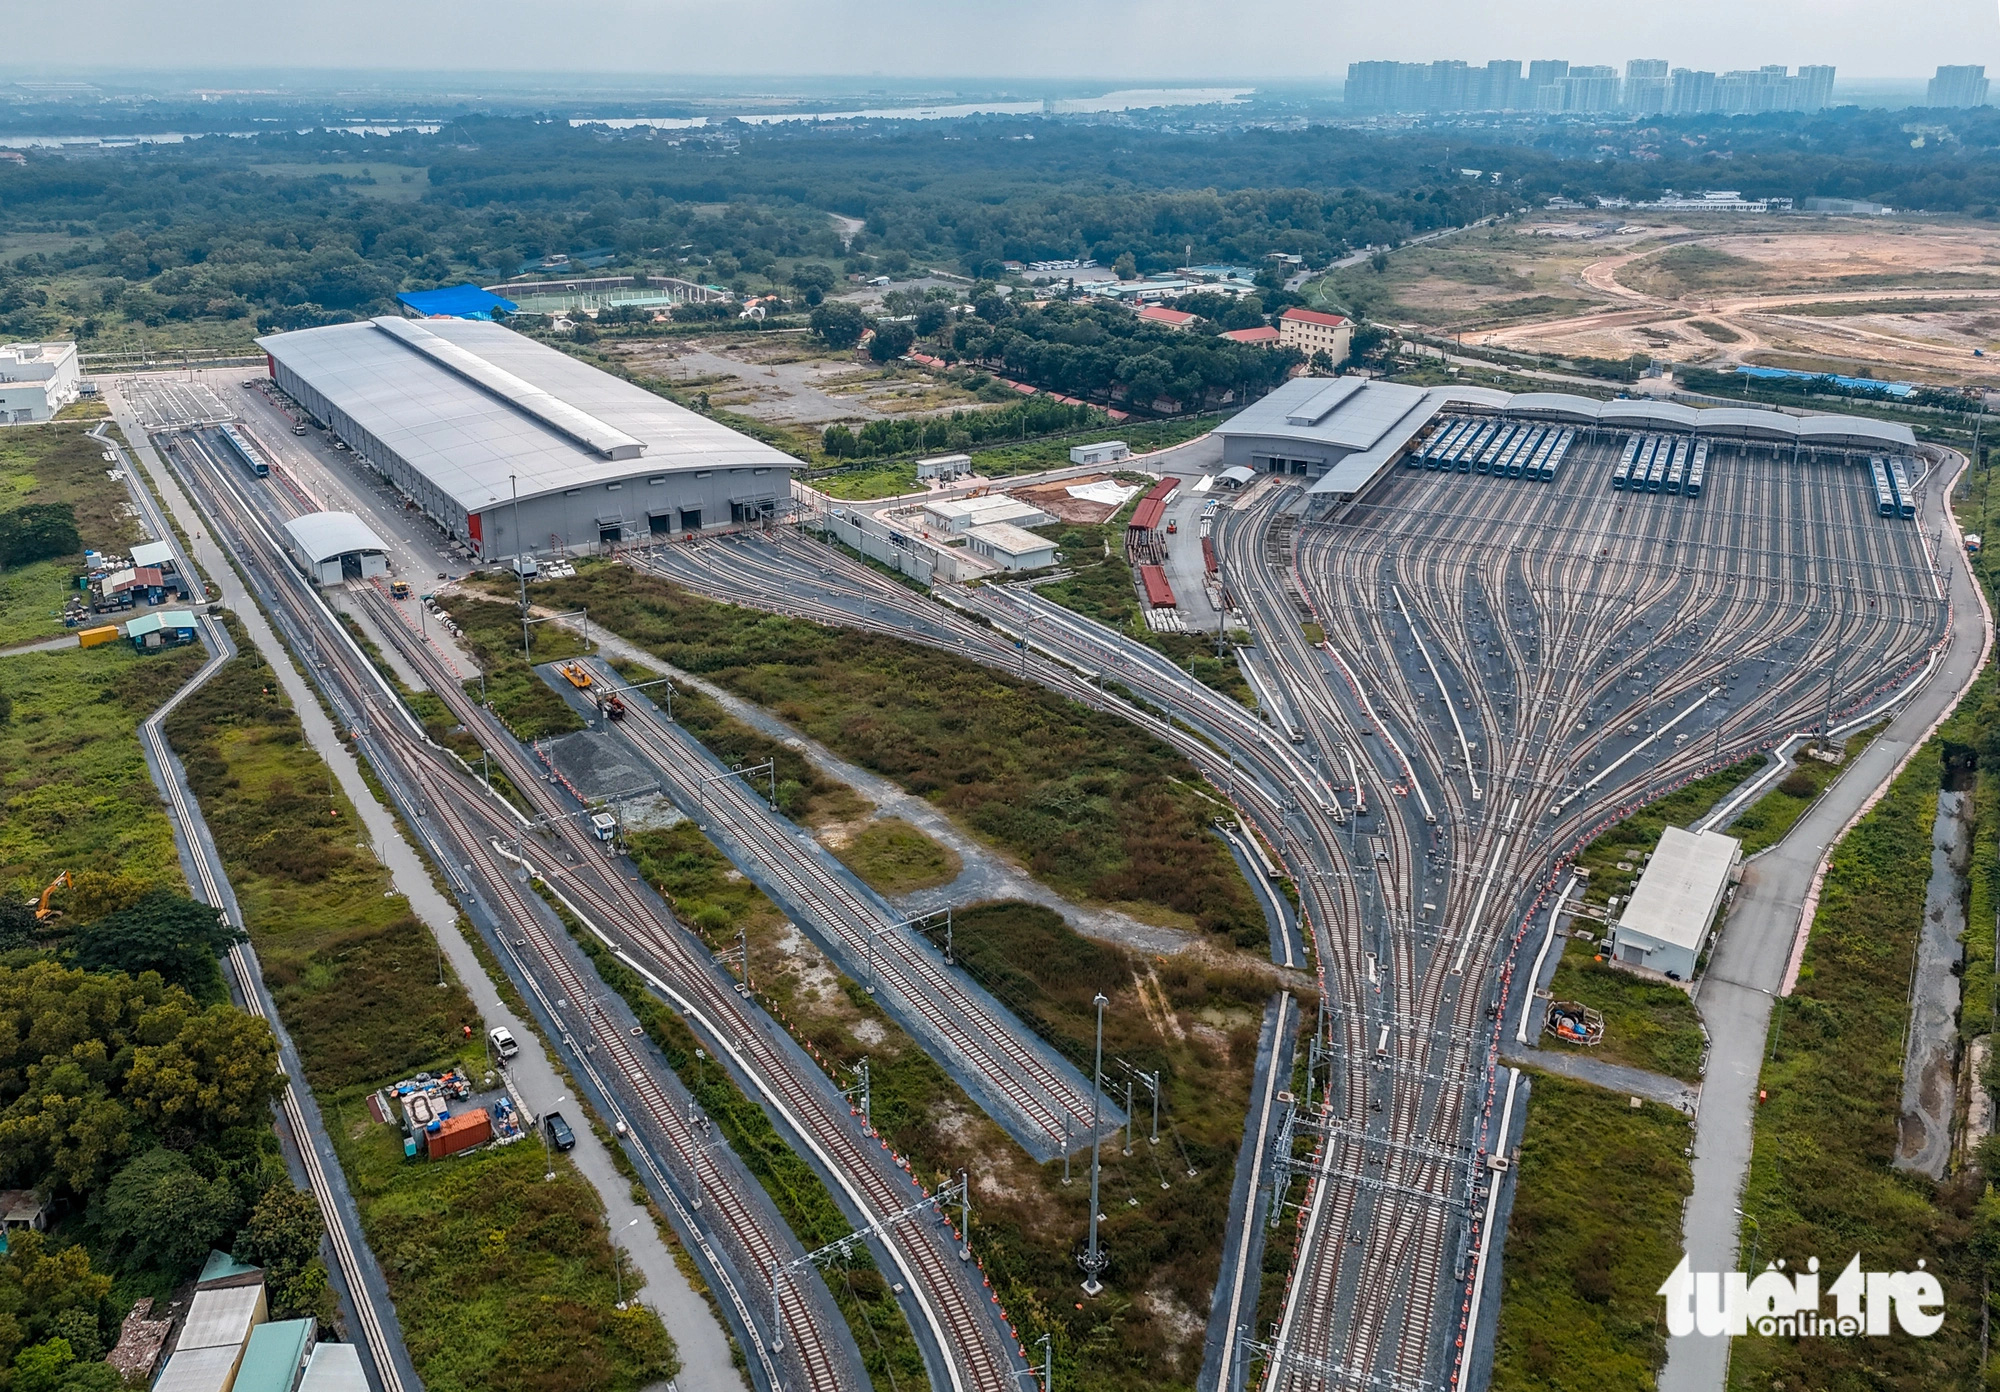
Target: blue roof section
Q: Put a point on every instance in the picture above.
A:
(457, 302)
(220, 1265)
(1849, 383)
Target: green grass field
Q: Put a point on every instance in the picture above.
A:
(1820, 1179)
(521, 699)
(74, 792)
(57, 464)
(1091, 806)
(1596, 1227)
(1766, 821)
(1647, 1024)
(897, 858)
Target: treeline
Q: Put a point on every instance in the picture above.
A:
(210, 231)
(1105, 351)
(961, 430)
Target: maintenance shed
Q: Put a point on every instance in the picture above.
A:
(167, 628)
(1103, 452)
(955, 515)
(512, 447)
(154, 553)
(335, 546)
(1010, 547)
(1665, 923)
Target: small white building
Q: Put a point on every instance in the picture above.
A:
(944, 467)
(1009, 547)
(335, 546)
(37, 380)
(953, 516)
(1103, 452)
(1665, 924)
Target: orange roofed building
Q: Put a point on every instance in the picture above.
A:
(1311, 332)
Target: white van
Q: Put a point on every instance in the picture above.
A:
(503, 1042)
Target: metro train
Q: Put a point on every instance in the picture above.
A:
(1885, 494)
(1899, 479)
(247, 451)
(1697, 469)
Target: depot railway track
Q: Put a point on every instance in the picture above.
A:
(820, 1121)
(1447, 560)
(1053, 1100)
(744, 1223)
(1510, 667)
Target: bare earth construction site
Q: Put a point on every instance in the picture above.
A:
(1893, 297)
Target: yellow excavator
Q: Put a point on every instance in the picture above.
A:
(43, 912)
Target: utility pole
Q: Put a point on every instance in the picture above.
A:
(1093, 1261)
(520, 570)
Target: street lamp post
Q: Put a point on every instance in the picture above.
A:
(520, 572)
(1093, 1261)
(618, 1265)
(1756, 1232)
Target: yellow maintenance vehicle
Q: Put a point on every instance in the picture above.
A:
(399, 589)
(578, 675)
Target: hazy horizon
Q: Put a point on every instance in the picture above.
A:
(944, 42)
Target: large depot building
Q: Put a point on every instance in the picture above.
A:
(478, 424)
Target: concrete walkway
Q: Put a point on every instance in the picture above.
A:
(56, 644)
(1617, 1077)
(986, 875)
(704, 1350)
(1747, 969)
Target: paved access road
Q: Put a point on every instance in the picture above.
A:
(1747, 968)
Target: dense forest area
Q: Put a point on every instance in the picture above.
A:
(288, 230)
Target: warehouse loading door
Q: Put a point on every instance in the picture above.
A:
(660, 523)
(690, 519)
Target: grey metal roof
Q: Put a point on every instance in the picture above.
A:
(467, 403)
(199, 1369)
(334, 1368)
(1564, 405)
(1680, 886)
(1649, 415)
(222, 1317)
(1750, 421)
(1343, 412)
(321, 536)
(1351, 475)
(1835, 429)
(152, 553)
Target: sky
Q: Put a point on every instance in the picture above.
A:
(903, 40)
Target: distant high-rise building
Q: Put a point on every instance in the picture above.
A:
(1958, 86)
(1646, 86)
(1649, 88)
(1506, 90)
(1590, 89)
(1693, 92)
(1545, 77)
